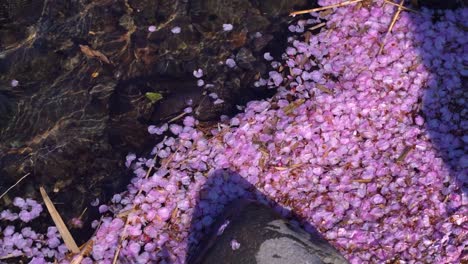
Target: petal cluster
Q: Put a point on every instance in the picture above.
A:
(368, 147)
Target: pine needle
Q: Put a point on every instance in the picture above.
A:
(324, 7)
(317, 26)
(62, 228)
(403, 7)
(363, 180)
(405, 153)
(10, 256)
(13, 186)
(177, 117)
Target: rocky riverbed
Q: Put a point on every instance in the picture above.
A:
(74, 75)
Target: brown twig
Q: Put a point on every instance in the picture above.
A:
(10, 256)
(403, 7)
(84, 252)
(405, 153)
(197, 111)
(324, 7)
(177, 117)
(13, 186)
(86, 248)
(82, 213)
(363, 180)
(317, 26)
(394, 19)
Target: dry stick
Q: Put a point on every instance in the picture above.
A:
(82, 213)
(405, 153)
(404, 8)
(62, 228)
(86, 247)
(324, 7)
(177, 117)
(84, 252)
(395, 17)
(10, 256)
(197, 112)
(13, 186)
(318, 26)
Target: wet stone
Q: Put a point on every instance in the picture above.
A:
(263, 237)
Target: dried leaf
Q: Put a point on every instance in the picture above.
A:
(292, 106)
(405, 153)
(323, 88)
(366, 3)
(261, 163)
(239, 39)
(94, 54)
(125, 213)
(174, 213)
(295, 166)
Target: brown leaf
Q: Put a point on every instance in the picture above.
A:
(405, 153)
(238, 39)
(292, 106)
(94, 54)
(323, 88)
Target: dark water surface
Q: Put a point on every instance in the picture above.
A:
(83, 67)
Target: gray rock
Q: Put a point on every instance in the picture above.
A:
(264, 237)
